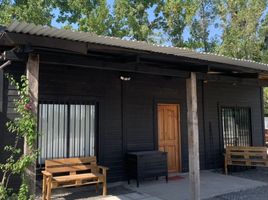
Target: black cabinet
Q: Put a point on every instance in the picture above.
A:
(146, 164)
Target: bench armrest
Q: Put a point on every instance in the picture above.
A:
(46, 173)
(103, 170)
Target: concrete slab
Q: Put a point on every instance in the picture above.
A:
(212, 184)
(135, 196)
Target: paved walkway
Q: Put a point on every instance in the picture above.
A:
(259, 193)
(214, 186)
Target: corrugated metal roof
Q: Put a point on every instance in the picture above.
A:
(32, 29)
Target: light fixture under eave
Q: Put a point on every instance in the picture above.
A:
(125, 78)
(214, 72)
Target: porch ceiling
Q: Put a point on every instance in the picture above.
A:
(21, 33)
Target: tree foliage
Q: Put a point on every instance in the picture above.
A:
(84, 15)
(31, 11)
(174, 16)
(235, 28)
(200, 27)
(265, 100)
(133, 20)
(263, 34)
(240, 21)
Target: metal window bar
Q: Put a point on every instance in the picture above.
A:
(236, 126)
(63, 125)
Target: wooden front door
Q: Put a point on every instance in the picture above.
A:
(169, 134)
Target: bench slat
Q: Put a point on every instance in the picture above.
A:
(77, 177)
(247, 153)
(248, 165)
(245, 148)
(66, 161)
(75, 184)
(71, 168)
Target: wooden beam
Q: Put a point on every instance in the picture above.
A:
(219, 78)
(194, 63)
(33, 78)
(15, 39)
(32, 72)
(107, 64)
(193, 141)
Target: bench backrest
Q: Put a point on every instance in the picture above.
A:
(248, 152)
(71, 165)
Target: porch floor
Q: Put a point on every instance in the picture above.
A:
(212, 184)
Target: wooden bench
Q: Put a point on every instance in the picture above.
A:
(70, 172)
(245, 156)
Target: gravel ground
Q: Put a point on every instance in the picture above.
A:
(259, 193)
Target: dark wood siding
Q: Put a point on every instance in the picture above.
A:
(218, 94)
(142, 94)
(8, 94)
(137, 97)
(127, 110)
(103, 87)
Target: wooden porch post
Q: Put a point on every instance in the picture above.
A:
(193, 141)
(32, 73)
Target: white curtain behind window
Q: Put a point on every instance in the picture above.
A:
(66, 131)
(82, 130)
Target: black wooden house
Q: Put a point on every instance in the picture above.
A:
(105, 96)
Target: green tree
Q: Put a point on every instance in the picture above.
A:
(200, 27)
(131, 17)
(263, 34)
(84, 15)
(240, 21)
(173, 18)
(31, 11)
(265, 100)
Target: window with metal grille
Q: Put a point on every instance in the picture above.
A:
(66, 130)
(236, 126)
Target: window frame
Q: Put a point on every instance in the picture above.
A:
(221, 122)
